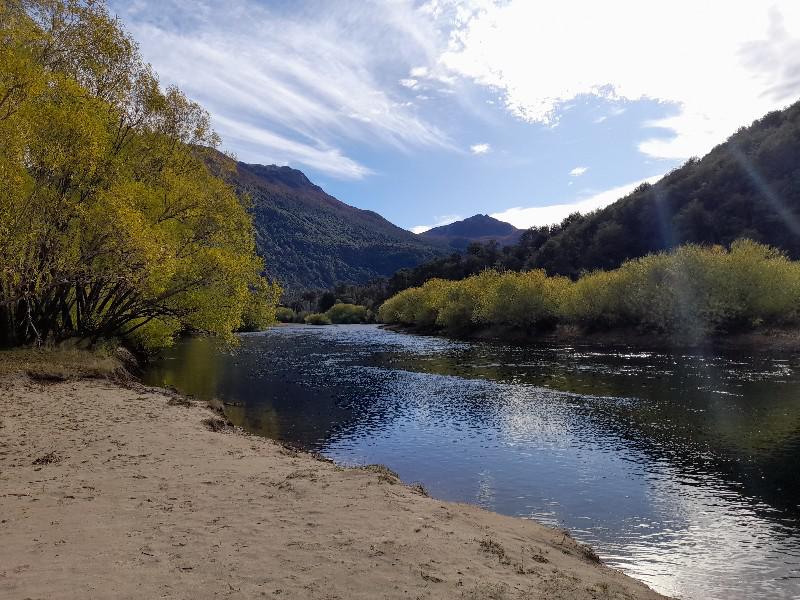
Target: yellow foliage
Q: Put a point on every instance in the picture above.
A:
(110, 222)
(692, 292)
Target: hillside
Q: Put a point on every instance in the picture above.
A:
(478, 228)
(310, 239)
(748, 186)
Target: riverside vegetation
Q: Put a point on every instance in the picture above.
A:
(689, 293)
(111, 222)
(341, 313)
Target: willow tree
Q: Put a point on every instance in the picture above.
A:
(111, 223)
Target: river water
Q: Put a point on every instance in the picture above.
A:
(679, 468)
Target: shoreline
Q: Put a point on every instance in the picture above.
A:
(760, 340)
(131, 491)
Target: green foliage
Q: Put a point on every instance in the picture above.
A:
(347, 313)
(110, 222)
(261, 309)
(414, 306)
(525, 301)
(317, 319)
(692, 292)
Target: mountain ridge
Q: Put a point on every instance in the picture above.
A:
(479, 228)
(745, 187)
(310, 239)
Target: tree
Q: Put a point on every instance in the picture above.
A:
(110, 222)
(326, 300)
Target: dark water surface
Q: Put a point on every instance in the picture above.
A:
(681, 469)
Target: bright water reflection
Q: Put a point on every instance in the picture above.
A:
(678, 468)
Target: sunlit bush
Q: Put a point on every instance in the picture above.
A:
(413, 306)
(347, 313)
(691, 292)
(317, 319)
(457, 303)
(525, 301)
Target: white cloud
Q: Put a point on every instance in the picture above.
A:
(273, 148)
(325, 75)
(297, 88)
(442, 220)
(555, 213)
(721, 65)
(480, 148)
(578, 171)
(418, 72)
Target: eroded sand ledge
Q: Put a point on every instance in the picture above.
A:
(114, 492)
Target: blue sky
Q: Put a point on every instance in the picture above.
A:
(432, 110)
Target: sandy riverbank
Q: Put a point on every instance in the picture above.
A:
(123, 492)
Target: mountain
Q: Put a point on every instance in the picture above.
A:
(310, 239)
(478, 228)
(747, 187)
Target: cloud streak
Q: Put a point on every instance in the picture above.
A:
(294, 88)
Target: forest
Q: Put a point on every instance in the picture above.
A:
(111, 224)
(689, 293)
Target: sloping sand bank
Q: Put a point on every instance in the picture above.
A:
(114, 492)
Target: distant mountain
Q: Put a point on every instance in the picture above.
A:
(479, 228)
(310, 239)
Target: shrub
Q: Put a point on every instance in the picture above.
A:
(526, 300)
(409, 307)
(317, 319)
(347, 313)
(691, 292)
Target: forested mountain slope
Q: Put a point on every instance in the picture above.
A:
(310, 239)
(747, 187)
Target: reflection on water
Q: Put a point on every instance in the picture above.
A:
(678, 468)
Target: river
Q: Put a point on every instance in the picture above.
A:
(679, 468)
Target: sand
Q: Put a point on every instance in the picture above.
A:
(110, 491)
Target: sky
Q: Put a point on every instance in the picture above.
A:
(429, 111)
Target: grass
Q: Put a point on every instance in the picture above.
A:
(491, 546)
(385, 474)
(216, 424)
(60, 364)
